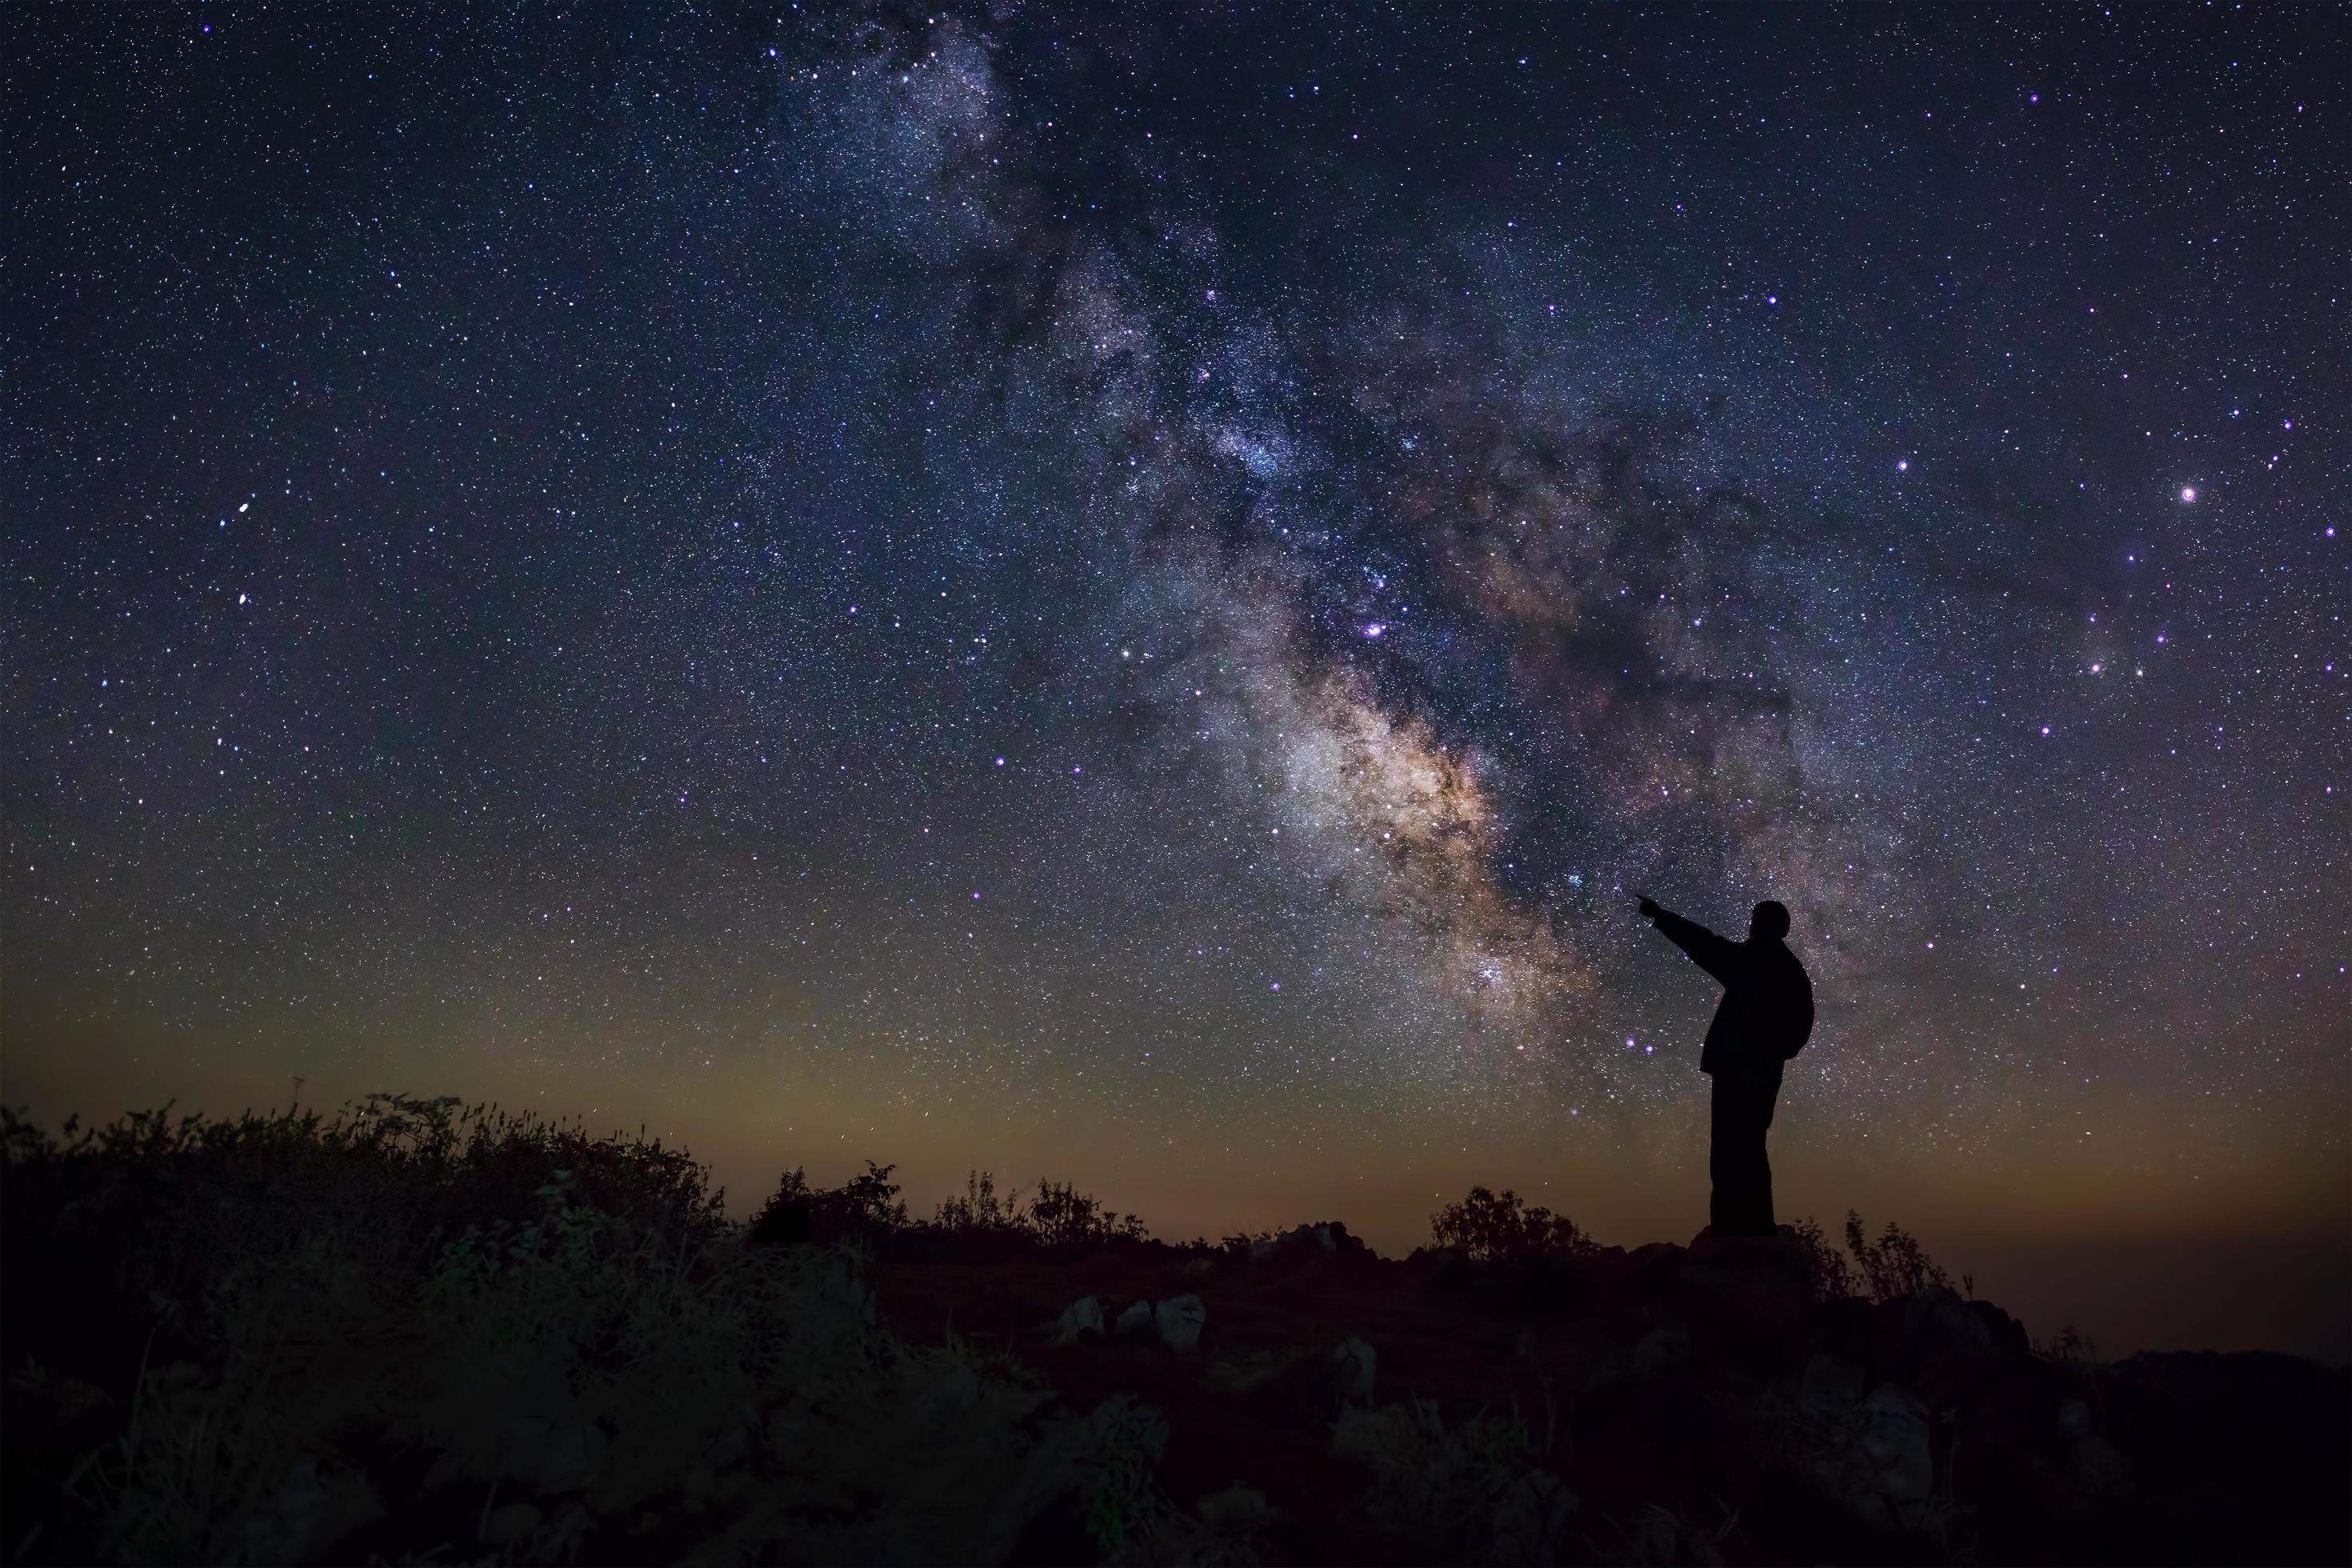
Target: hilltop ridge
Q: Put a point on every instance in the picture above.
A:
(420, 1332)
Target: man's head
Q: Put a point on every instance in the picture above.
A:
(1770, 922)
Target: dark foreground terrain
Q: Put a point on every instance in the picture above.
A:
(419, 1334)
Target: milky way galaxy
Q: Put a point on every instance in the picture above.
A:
(1140, 595)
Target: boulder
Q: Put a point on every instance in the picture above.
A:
(1719, 1260)
(1531, 1519)
(2006, 1334)
(2074, 1418)
(2100, 1467)
(1326, 1239)
(1753, 1289)
(1870, 1452)
(1299, 1387)
(1937, 1319)
(1353, 1364)
(1133, 1319)
(1178, 1322)
(1657, 1270)
(1079, 1319)
(1894, 1437)
(1950, 1346)
(1831, 1385)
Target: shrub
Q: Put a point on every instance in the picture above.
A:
(244, 1330)
(1889, 1269)
(980, 1212)
(866, 1208)
(1895, 1264)
(1239, 1244)
(2069, 1348)
(1832, 1275)
(1058, 1215)
(1486, 1228)
(869, 1209)
(1061, 1215)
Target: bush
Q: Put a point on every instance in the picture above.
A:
(1061, 1215)
(2070, 1349)
(980, 1212)
(1488, 1228)
(1239, 1243)
(245, 1331)
(1891, 1268)
(1832, 1275)
(1895, 1265)
(865, 1209)
(869, 1210)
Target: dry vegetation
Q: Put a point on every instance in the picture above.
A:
(419, 1331)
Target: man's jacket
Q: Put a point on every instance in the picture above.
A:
(1768, 1002)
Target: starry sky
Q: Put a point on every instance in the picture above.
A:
(1131, 593)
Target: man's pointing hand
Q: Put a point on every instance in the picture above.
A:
(1650, 909)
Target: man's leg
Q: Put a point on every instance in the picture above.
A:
(1762, 1198)
(1742, 1202)
(1729, 1163)
(1719, 1215)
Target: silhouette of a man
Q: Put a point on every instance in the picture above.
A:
(1765, 1015)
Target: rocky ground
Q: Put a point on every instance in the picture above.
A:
(1692, 1404)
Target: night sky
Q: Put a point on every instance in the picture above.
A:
(1132, 595)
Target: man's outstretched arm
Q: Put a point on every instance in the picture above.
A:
(1711, 953)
